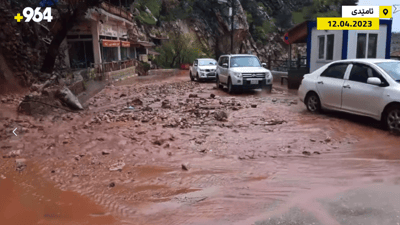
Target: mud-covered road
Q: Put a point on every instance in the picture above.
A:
(165, 150)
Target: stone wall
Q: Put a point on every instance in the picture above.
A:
(119, 74)
(164, 72)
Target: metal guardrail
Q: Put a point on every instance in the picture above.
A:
(284, 65)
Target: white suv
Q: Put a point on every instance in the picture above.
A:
(203, 69)
(242, 71)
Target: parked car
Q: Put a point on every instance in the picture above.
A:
(203, 69)
(242, 71)
(367, 87)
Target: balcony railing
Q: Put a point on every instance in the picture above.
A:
(116, 10)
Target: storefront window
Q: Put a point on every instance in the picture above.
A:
(124, 53)
(110, 54)
(80, 54)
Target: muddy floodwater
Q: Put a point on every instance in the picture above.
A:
(165, 150)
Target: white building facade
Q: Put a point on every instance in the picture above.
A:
(101, 37)
(324, 46)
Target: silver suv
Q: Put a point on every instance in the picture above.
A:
(203, 69)
(242, 71)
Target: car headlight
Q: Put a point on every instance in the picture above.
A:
(202, 70)
(267, 75)
(238, 75)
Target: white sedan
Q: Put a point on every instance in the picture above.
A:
(367, 87)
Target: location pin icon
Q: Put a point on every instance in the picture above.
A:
(385, 11)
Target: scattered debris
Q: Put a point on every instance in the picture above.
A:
(166, 104)
(136, 102)
(275, 122)
(117, 166)
(105, 152)
(221, 115)
(185, 166)
(12, 154)
(306, 153)
(20, 164)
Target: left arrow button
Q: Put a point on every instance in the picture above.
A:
(14, 131)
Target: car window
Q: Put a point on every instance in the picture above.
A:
(195, 62)
(224, 60)
(221, 61)
(361, 73)
(335, 71)
(245, 61)
(207, 62)
(392, 69)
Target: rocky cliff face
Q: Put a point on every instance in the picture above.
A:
(211, 23)
(258, 26)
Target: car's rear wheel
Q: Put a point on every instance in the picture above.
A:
(313, 103)
(391, 118)
(231, 88)
(191, 77)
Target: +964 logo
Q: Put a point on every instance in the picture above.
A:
(37, 14)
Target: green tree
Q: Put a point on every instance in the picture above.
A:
(154, 6)
(181, 48)
(321, 8)
(172, 10)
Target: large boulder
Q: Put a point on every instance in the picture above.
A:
(69, 98)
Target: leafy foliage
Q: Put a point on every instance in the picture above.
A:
(173, 10)
(261, 32)
(144, 17)
(146, 66)
(181, 48)
(321, 8)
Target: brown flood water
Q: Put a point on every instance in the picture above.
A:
(27, 199)
(240, 170)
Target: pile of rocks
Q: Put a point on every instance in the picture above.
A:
(167, 105)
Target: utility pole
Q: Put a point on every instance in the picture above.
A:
(232, 4)
(231, 12)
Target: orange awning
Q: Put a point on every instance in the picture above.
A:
(125, 44)
(111, 43)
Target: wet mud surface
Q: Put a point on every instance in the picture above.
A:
(164, 150)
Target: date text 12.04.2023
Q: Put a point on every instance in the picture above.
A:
(338, 23)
